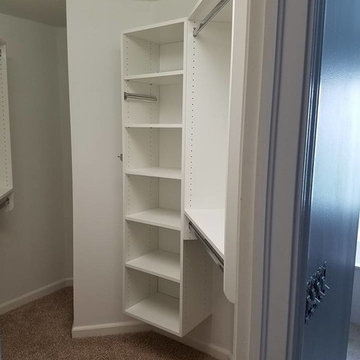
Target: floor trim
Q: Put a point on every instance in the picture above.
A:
(211, 349)
(118, 328)
(34, 295)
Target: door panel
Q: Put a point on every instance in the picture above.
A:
(335, 198)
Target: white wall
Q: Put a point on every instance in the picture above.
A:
(94, 29)
(32, 236)
(64, 117)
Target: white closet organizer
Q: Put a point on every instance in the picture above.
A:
(6, 182)
(166, 278)
(207, 122)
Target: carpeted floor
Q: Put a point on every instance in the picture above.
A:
(41, 331)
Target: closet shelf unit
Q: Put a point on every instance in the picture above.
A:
(165, 173)
(6, 181)
(159, 265)
(159, 310)
(165, 218)
(161, 78)
(155, 126)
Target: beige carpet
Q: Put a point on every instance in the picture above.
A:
(41, 331)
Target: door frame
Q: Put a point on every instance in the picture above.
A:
(271, 204)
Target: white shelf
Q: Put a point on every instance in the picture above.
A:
(165, 173)
(158, 310)
(155, 126)
(165, 33)
(159, 263)
(211, 224)
(162, 78)
(169, 219)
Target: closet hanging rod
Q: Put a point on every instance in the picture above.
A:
(139, 97)
(219, 261)
(210, 16)
(4, 202)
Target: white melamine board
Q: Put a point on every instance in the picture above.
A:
(211, 224)
(203, 8)
(169, 240)
(169, 219)
(171, 56)
(155, 126)
(141, 239)
(167, 287)
(171, 103)
(170, 194)
(236, 133)
(164, 33)
(6, 182)
(143, 57)
(159, 310)
(197, 289)
(160, 78)
(207, 129)
(148, 147)
(167, 110)
(159, 263)
(140, 56)
(135, 112)
(170, 146)
(166, 173)
(145, 193)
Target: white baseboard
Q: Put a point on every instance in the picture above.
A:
(213, 350)
(111, 328)
(34, 295)
(124, 327)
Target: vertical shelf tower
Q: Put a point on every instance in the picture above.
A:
(6, 181)
(166, 281)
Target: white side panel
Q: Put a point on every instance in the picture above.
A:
(140, 57)
(171, 102)
(142, 239)
(236, 131)
(6, 182)
(170, 145)
(172, 56)
(197, 288)
(208, 117)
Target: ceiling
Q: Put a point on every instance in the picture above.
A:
(51, 12)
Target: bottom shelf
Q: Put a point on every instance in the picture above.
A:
(159, 310)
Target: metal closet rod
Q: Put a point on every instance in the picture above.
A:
(139, 97)
(210, 16)
(219, 261)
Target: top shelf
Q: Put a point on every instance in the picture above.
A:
(165, 33)
(161, 78)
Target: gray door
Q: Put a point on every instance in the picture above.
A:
(334, 184)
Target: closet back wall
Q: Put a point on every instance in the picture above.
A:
(35, 238)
